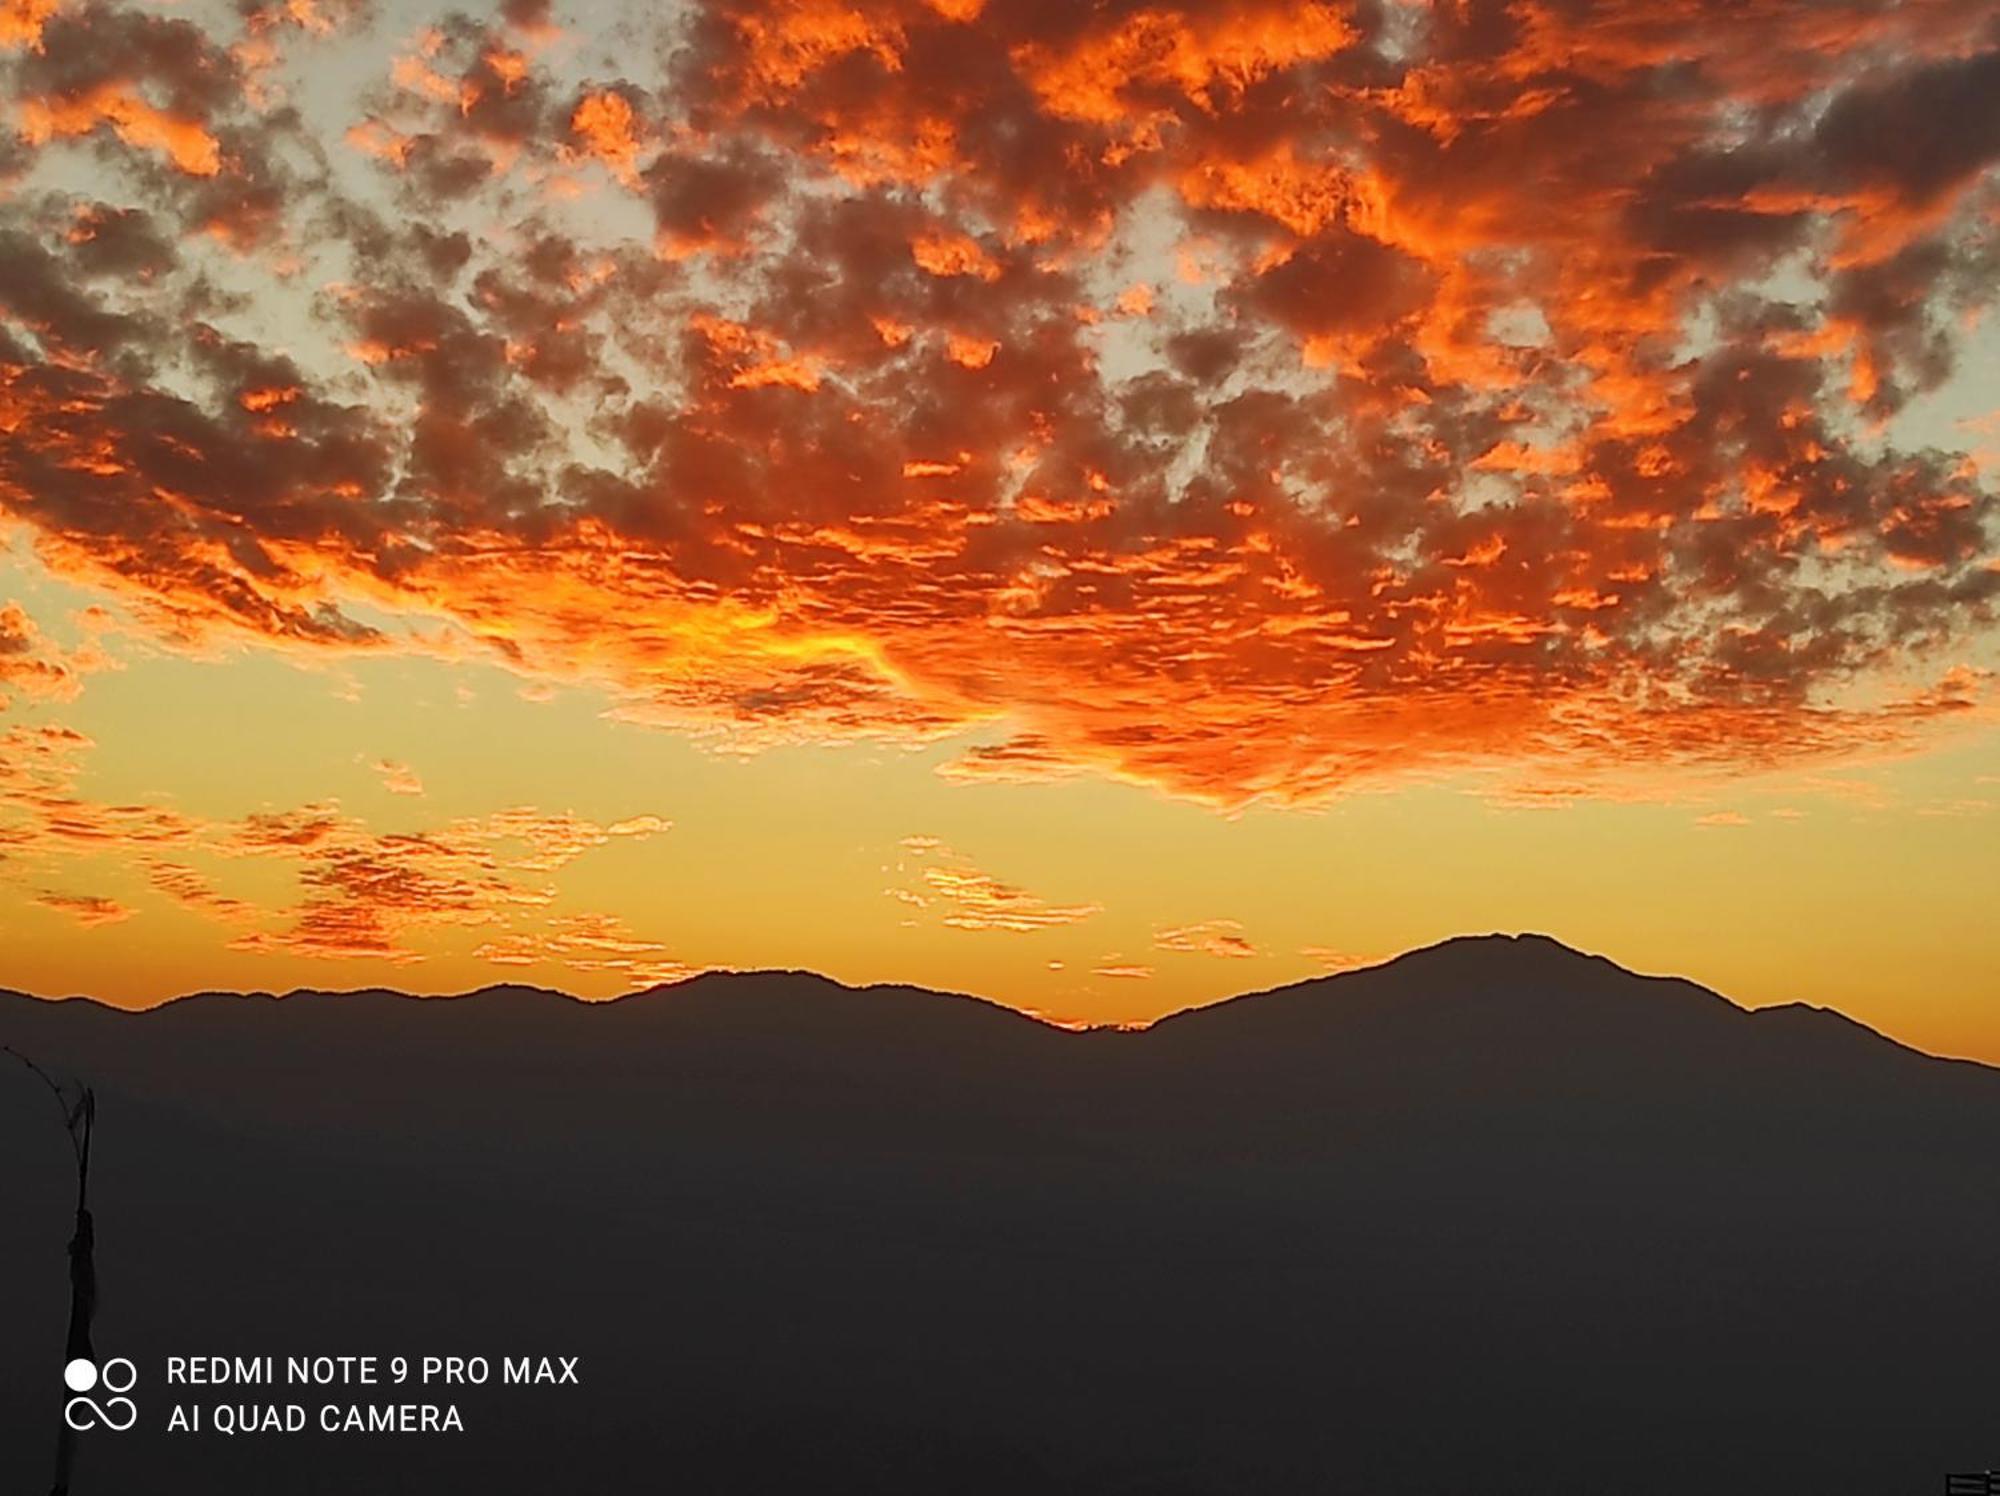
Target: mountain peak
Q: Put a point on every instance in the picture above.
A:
(1523, 999)
(1508, 948)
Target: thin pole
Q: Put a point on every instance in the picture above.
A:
(82, 1284)
(78, 1121)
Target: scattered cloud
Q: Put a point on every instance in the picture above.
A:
(193, 890)
(361, 893)
(85, 909)
(587, 942)
(1955, 809)
(32, 665)
(1330, 960)
(398, 778)
(1211, 937)
(965, 898)
(1029, 758)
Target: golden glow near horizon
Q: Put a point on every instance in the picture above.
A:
(1145, 507)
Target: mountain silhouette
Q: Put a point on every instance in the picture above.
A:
(1496, 1216)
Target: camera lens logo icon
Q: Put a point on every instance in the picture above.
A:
(116, 1376)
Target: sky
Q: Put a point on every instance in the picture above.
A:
(1100, 506)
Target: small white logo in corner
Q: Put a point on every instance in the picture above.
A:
(116, 1376)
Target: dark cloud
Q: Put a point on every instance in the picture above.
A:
(1921, 133)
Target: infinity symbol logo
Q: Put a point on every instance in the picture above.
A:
(115, 1413)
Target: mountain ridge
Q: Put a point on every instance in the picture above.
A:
(1471, 968)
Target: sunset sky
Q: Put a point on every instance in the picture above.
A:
(1099, 505)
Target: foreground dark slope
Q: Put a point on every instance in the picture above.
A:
(1495, 1217)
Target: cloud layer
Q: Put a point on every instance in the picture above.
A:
(1242, 398)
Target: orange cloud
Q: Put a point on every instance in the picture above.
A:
(1330, 960)
(609, 130)
(968, 899)
(1211, 937)
(364, 890)
(1025, 759)
(953, 254)
(138, 123)
(21, 21)
(398, 778)
(1103, 76)
(86, 909)
(362, 894)
(587, 942)
(187, 887)
(27, 662)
